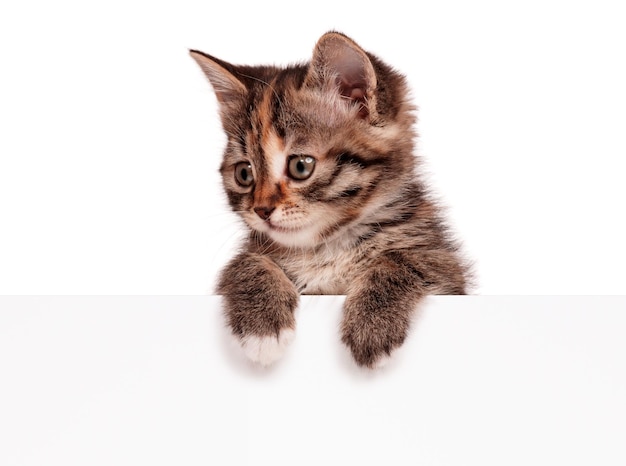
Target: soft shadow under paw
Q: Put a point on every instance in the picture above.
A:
(385, 365)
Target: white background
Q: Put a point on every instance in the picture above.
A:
(109, 149)
(110, 142)
(481, 380)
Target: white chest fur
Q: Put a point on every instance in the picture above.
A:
(326, 271)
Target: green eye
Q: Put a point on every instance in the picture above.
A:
(301, 166)
(243, 174)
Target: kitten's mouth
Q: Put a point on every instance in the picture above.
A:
(290, 233)
(282, 229)
(301, 236)
(270, 226)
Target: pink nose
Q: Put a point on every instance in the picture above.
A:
(264, 212)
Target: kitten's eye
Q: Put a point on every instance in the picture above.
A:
(243, 174)
(301, 166)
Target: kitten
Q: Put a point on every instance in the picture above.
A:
(319, 163)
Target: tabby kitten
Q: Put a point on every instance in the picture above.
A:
(319, 163)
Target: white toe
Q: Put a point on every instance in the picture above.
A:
(268, 349)
(382, 361)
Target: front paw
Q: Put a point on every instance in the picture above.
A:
(372, 336)
(265, 350)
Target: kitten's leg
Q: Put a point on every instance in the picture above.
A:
(259, 304)
(379, 307)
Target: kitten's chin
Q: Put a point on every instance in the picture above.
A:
(301, 238)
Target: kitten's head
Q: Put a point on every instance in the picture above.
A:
(313, 150)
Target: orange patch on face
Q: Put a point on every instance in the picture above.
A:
(271, 195)
(268, 134)
(272, 191)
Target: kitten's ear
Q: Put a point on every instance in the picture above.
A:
(228, 89)
(340, 65)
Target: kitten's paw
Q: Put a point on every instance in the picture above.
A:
(371, 356)
(265, 350)
(372, 341)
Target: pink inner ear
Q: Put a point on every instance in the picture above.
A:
(355, 92)
(354, 75)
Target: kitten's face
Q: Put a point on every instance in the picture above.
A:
(309, 154)
(301, 186)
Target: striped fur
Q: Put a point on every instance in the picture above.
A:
(362, 224)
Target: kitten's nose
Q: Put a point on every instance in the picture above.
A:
(264, 212)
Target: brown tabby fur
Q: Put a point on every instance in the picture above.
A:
(363, 224)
